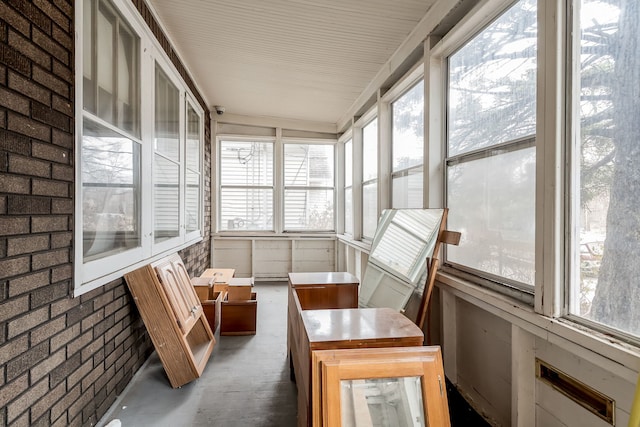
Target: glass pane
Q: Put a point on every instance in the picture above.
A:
(384, 402)
(246, 163)
(348, 163)
(88, 81)
(348, 211)
(110, 165)
(308, 165)
(105, 34)
(492, 203)
(127, 81)
(604, 286)
(167, 117)
(193, 139)
(370, 151)
(369, 209)
(166, 198)
(492, 83)
(246, 209)
(192, 202)
(110, 67)
(407, 190)
(308, 210)
(408, 129)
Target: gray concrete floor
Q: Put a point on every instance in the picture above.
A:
(246, 381)
(245, 384)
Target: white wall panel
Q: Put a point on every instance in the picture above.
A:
(233, 254)
(313, 255)
(484, 360)
(274, 258)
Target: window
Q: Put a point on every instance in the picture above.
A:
(193, 170)
(348, 187)
(111, 145)
(606, 160)
(407, 148)
(166, 159)
(490, 165)
(308, 187)
(132, 196)
(246, 185)
(370, 179)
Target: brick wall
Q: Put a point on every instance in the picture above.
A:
(63, 360)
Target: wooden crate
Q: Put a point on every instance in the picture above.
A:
(238, 317)
(203, 287)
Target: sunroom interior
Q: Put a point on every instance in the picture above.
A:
(269, 137)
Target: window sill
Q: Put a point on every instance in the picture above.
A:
(358, 244)
(103, 280)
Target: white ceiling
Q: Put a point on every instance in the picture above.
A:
(290, 59)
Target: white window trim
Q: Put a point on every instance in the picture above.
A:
(309, 141)
(361, 124)
(93, 274)
(218, 184)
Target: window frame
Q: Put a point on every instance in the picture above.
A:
(348, 186)
(284, 187)
(368, 119)
(460, 36)
(220, 186)
(404, 85)
(97, 272)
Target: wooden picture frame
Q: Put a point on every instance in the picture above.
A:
(330, 367)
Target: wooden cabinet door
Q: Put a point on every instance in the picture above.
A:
(190, 292)
(184, 309)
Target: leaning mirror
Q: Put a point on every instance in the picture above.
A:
(404, 241)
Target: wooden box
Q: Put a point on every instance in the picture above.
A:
(212, 308)
(238, 317)
(203, 287)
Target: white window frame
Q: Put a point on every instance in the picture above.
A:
(435, 104)
(365, 121)
(219, 186)
(93, 274)
(281, 201)
(413, 77)
(349, 229)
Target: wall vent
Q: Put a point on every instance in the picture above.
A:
(584, 395)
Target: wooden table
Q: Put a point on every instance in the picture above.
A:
(336, 328)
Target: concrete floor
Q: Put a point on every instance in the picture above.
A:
(246, 382)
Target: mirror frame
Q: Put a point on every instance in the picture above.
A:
(329, 367)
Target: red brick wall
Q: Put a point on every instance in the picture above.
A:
(63, 360)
